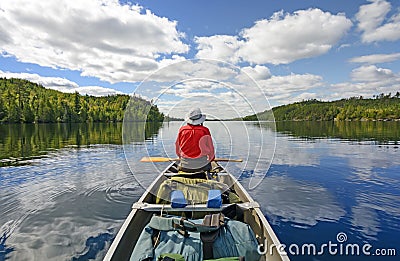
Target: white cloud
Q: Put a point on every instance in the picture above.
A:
(367, 81)
(61, 84)
(240, 93)
(212, 83)
(285, 38)
(295, 82)
(217, 99)
(258, 72)
(97, 91)
(370, 16)
(282, 39)
(376, 58)
(291, 88)
(180, 69)
(373, 22)
(371, 73)
(219, 47)
(48, 82)
(283, 89)
(103, 39)
(125, 43)
(306, 96)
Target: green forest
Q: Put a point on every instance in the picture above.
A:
(380, 107)
(22, 101)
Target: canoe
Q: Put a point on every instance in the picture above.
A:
(142, 211)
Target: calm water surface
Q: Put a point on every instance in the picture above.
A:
(66, 189)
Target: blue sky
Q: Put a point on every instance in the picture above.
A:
(269, 52)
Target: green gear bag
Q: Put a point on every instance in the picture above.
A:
(234, 239)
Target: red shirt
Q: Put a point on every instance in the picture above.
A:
(194, 141)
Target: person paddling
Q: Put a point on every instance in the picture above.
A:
(194, 145)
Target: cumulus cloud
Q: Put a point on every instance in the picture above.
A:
(278, 89)
(374, 23)
(97, 91)
(220, 47)
(293, 82)
(367, 81)
(371, 73)
(240, 95)
(61, 84)
(213, 84)
(282, 39)
(376, 58)
(125, 43)
(258, 72)
(292, 88)
(219, 100)
(48, 82)
(285, 38)
(289, 88)
(103, 39)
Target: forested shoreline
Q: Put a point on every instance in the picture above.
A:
(381, 107)
(22, 101)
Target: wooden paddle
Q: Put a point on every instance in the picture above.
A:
(163, 159)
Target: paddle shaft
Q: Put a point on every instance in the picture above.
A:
(164, 159)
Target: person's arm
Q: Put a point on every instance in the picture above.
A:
(207, 146)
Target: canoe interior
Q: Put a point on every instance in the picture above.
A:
(125, 241)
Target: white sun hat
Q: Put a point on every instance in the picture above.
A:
(195, 117)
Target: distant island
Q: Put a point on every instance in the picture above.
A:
(380, 108)
(22, 101)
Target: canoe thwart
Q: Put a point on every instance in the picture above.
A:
(197, 207)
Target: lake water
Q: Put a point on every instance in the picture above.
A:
(65, 189)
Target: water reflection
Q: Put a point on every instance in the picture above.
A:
(54, 207)
(94, 245)
(367, 213)
(19, 142)
(69, 204)
(303, 204)
(379, 131)
(4, 249)
(330, 177)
